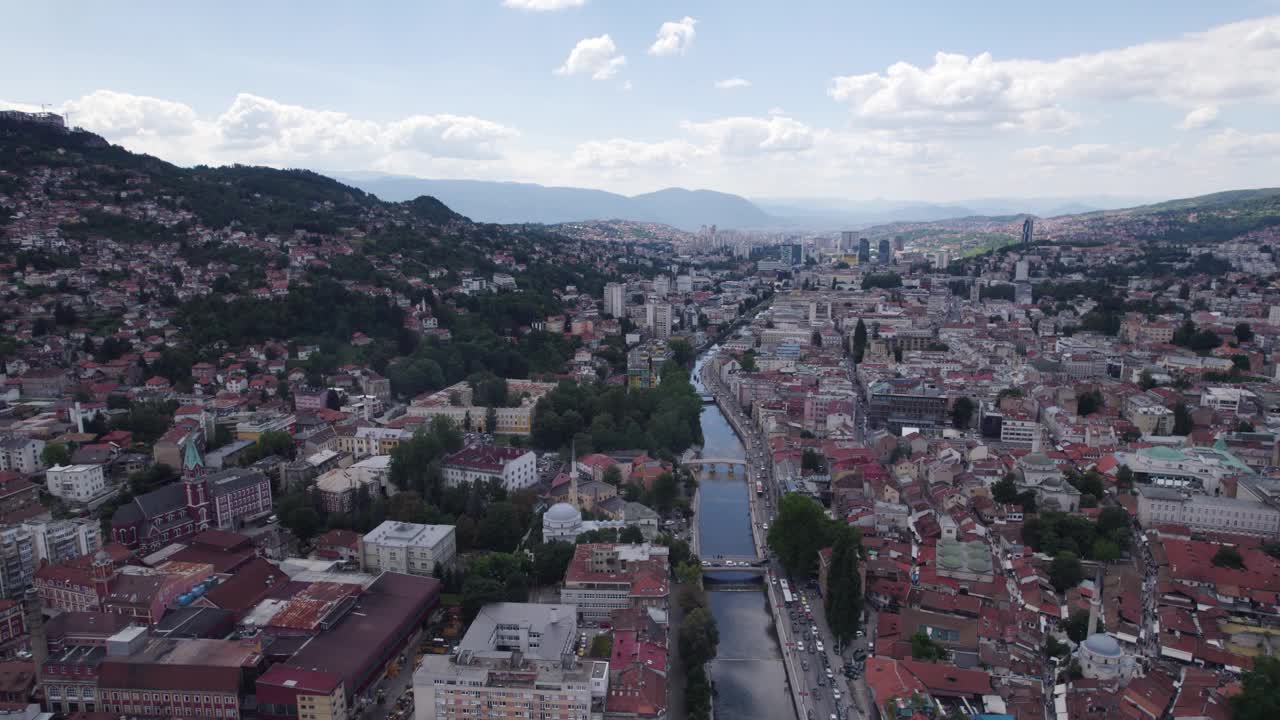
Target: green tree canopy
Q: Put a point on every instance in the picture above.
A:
(800, 529)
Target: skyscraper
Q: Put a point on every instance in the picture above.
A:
(1028, 230)
(847, 240)
(886, 252)
(657, 317)
(864, 251)
(792, 253)
(615, 299)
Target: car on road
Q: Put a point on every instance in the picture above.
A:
(820, 648)
(836, 694)
(805, 665)
(830, 674)
(800, 646)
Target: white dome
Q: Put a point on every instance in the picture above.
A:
(1103, 644)
(563, 513)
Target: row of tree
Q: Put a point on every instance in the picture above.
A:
(800, 530)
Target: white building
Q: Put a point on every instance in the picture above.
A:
(615, 299)
(1159, 505)
(657, 317)
(1224, 399)
(1022, 432)
(517, 660)
(21, 454)
(60, 540)
(1021, 270)
(515, 468)
(76, 483)
(408, 548)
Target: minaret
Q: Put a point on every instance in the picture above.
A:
(573, 475)
(35, 627)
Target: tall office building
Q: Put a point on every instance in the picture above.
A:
(615, 299)
(848, 239)
(657, 317)
(899, 243)
(886, 252)
(1021, 270)
(864, 251)
(1028, 231)
(662, 285)
(942, 259)
(792, 253)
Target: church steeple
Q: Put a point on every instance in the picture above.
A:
(192, 462)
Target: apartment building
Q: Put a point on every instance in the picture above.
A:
(21, 454)
(408, 548)
(76, 483)
(515, 468)
(605, 577)
(516, 661)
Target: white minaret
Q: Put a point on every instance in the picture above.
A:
(573, 474)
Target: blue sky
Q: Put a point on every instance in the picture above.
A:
(851, 100)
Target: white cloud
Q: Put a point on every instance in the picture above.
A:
(596, 56)
(674, 38)
(1094, 154)
(457, 136)
(620, 153)
(732, 83)
(543, 5)
(748, 136)
(1229, 63)
(261, 130)
(1243, 146)
(1201, 117)
(113, 113)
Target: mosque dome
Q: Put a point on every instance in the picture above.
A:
(563, 513)
(1103, 645)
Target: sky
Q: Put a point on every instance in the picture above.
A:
(850, 100)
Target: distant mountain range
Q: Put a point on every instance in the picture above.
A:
(512, 202)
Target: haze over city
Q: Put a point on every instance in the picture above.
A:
(852, 101)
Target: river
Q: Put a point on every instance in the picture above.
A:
(748, 674)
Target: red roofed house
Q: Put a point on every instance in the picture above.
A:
(602, 578)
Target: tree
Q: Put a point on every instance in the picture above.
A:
(1077, 626)
(1145, 381)
(812, 461)
(478, 591)
(1005, 490)
(681, 351)
(1088, 403)
(699, 637)
(550, 561)
(1124, 476)
(961, 412)
(859, 340)
(844, 587)
(1065, 571)
(491, 420)
(1104, 550)
(631, 534)
(1243, 332)
(613, 475)
(1260, 697)
(1182, 423)
(815, 339)
(799, 531)
(55, 454)
(1229, 557)
(747, 361)
(664, 493)
(924, 648)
